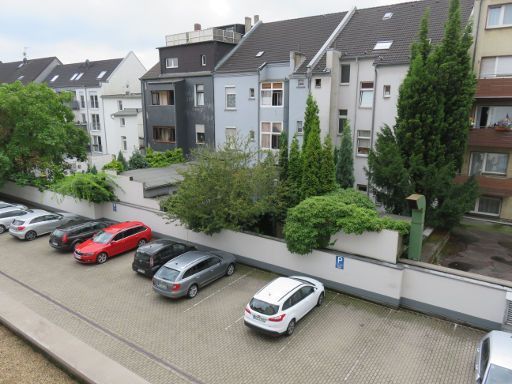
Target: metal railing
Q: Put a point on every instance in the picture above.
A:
(211, 34)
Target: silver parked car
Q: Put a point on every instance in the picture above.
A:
(493, 362)
(185, 274)
(39, 222)
(4, 204)
(7, 215)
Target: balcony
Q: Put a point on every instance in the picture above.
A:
(496, 88)
(212, 34)
(488, 185)
(490, 138)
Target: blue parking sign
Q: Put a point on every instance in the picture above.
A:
(340, 262)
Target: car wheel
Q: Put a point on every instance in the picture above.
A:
(141, 242)
(30, 235)
(192, 291)
(2, 229)
(102, 257)
(230, 270)
(320, 299)
(290, 328)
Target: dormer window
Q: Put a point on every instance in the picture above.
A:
(260, 53)
(73, 77)
(54, 78)
(383, 45)
(171, 62)
(387, 16)
(102, 73)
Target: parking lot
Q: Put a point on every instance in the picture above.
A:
(204, 340)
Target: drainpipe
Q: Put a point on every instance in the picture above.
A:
(87, 120)
(476, 34)
(354, 139)
(260, 68)
(373, 116)
(144, 111)
(104, 124)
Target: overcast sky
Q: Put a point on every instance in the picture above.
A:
(102, 29)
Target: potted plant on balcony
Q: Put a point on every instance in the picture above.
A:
(504, 124)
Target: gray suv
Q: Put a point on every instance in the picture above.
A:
(185, 274)
(39, 222)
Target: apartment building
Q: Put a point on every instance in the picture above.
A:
(27, 70)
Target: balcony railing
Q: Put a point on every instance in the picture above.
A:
(494, 88)
(212, 34)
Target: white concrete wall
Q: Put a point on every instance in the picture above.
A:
(125, 77)
(132, 192)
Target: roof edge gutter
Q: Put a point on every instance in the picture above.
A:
(314, 61)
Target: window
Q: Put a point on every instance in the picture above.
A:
(230, 97)
(500, 66)
(171, 62)
(21, 77)
(199, 95)
(119, 105)
(79, 76)
(272, 94)
(124, 143)
(488, 205)
(212, 262)
(122, 122)
(164, 134)
(270, 132)
(73, 77)
(300, 83)
(203, 60)
(84, 119)
(54, 78)
(96, 143)
(300, 127)
(230, 133)
(162, 97)
(252, 94)
(387, 91)
(94, 101)
(318, 83)
(492, 116)
(252, 135)
(200, 135)
(101, 74)
(363, 142)
(383, 45)
(82, 101)
(260, 53)
(342, 120)
(95, 122)
(366, 94)
(345, 73)
(387, 16)
(499, 16)
(362, 187)
(490, 163)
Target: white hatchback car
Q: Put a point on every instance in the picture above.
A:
(493, 362)
(278, 306)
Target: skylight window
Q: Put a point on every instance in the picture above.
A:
(381, 45)
(21, 77)
(260, 53)
(79, 76)
(54, 78)
(387, 16)
(21, 65)
(102, 73)
(73, 77)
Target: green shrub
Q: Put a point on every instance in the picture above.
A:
(163, 159)
(311, 224)
(96, 188)
(114, 165)
(122, 160)
(137, 161)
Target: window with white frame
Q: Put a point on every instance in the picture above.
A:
(383, 45)
(270, 133)
(387, 91)
(200, 134)
(366, 94)
(230, 97)
(300, 83)
(252, 135)
(300, 127)
(94, 101)
(96, 143)
(84, 119)
(74, 76)
(122, 122)
(101, 74)
(203, 60)
(363, 142)
(318, 83)
(499, 16)
(498, 66)
(82, 101)
(342, 120)
(345, 73)
(487, 116)
(119, 105)
(488, 163)
(230, 133)
(54, 78)
(272, 94)
(95, 122)
(171, 62)
(199, 95)
(487, 205)
(252, 93)
(124, 143)
(79, 76)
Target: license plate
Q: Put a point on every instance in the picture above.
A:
(140, 270)
(161, 285)
(259, 318)
(78, 256)
(54, 243)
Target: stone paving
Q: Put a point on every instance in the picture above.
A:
(203, 340)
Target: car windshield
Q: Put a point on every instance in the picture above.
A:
(17, 222)
(58, 233)
(5, 205)
(142, 256)
(263, 307)
(498, 375)
(168, 274)
(102, 237)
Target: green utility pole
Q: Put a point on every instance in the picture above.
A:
(417, 204)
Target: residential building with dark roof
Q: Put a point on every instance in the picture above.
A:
(489, 152)
(27, 70)
(107, 104)
(178, 97)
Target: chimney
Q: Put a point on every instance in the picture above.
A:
(247, 24)
(197, 27)
(256, 18)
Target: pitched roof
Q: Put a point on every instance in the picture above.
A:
(90, 70)
(30, 70)
(367, 27)
(154, 72)
(278, 38)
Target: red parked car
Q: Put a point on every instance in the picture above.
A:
(113, 240)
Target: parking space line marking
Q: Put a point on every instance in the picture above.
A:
(217, 291)
(163, 363)
(229, 326)
(356, 363)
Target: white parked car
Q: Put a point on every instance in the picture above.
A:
(493, 362)
(278, 306)
(7, 215)
(4, 204)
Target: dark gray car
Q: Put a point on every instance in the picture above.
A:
(185, 274)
